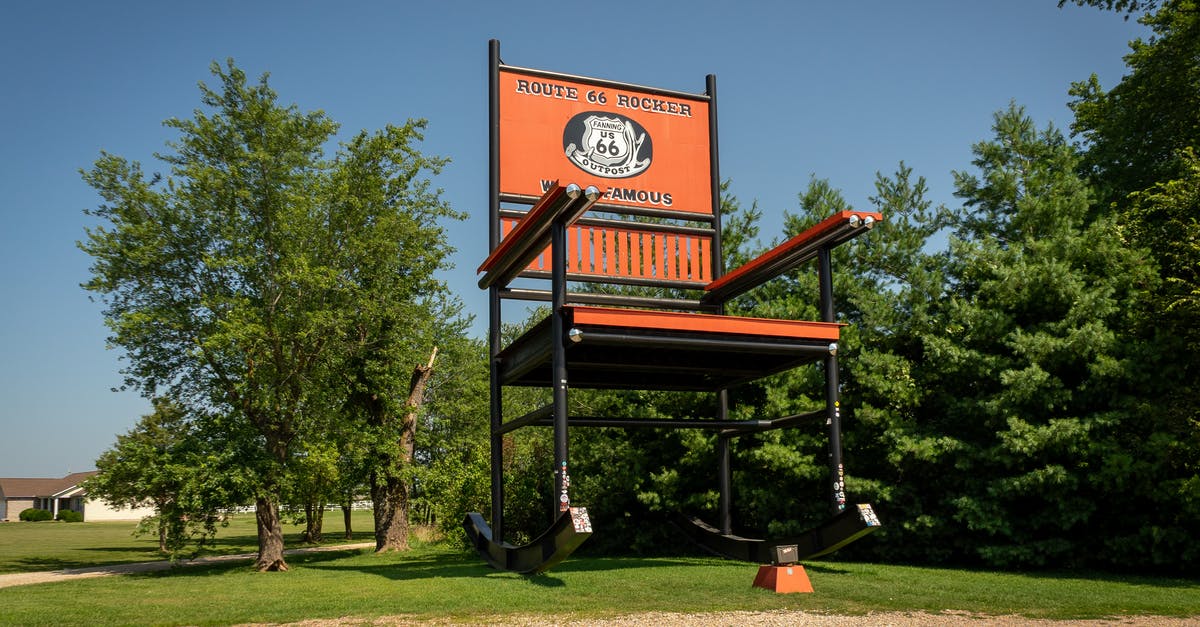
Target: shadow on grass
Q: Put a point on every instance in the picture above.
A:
(245, 564)
(468, 565)
(826, 568)
(1155, 581)
(433, 562)
(1168, 580)
(38, 564)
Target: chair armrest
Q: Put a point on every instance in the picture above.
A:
(828, 233)
(532, 235)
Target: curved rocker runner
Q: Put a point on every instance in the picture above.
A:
(621, 341)
(569, 531)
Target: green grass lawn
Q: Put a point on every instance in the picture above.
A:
(436, 582)
(52, 545)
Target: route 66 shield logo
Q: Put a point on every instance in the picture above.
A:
(607, 144)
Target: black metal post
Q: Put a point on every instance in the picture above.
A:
(558, 257)
(715, 175)
(724, 473)
(725, 483)
(494, 322)
(833, 414)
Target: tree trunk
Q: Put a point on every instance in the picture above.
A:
(346, 519)
(390, 493)
(390, 496)
(270, 536)
(314, 518)
(162, 533)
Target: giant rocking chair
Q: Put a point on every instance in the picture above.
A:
(616, 341)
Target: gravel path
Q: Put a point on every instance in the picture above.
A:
(778, 618)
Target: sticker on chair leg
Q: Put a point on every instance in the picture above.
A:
(868, 515)
(579, 516)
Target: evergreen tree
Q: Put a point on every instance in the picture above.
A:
(1141, 138)
(1033, 374)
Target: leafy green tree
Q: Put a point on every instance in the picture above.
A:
(451, 448)
(164, 463)
(243, 280)
(1166, 219)
(395, 310)
(1120, 6)
(1141, 138)
(1033, 368)
(313, 479)
(1165, 454)
(1135, 132)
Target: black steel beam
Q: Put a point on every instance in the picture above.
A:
(612, 300)
(543, 414)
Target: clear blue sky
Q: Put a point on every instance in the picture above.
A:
(839, 90)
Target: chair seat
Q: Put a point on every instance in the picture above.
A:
(660, 350)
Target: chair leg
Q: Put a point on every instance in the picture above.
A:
(559, 364)
(496, 410)
(724, 473)
(833, 406)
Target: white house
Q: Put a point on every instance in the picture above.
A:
(55, 495)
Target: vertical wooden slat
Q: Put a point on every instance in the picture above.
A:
(681, 258)
(635, 249)
(610, 256)
(617, 252)
(620, 250)
(693, 271)
(647, 254)
(585, 251)
(670, 256)
(572, 233)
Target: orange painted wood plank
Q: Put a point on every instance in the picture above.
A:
(813, 232)
(532, 216)
(706, 323)
(610, 257)
(647, 254)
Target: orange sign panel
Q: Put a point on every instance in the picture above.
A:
(642, 148)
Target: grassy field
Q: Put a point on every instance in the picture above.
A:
(28, 547)
(435, 582)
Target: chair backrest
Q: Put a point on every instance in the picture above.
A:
(651, 153)
(631, 253)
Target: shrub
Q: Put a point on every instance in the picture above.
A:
(68, 515)
(34, 514)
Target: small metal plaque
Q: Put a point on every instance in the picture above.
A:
(786, 554)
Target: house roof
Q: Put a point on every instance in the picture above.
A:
(26, 487)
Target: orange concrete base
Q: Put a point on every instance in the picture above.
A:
(783, 579)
